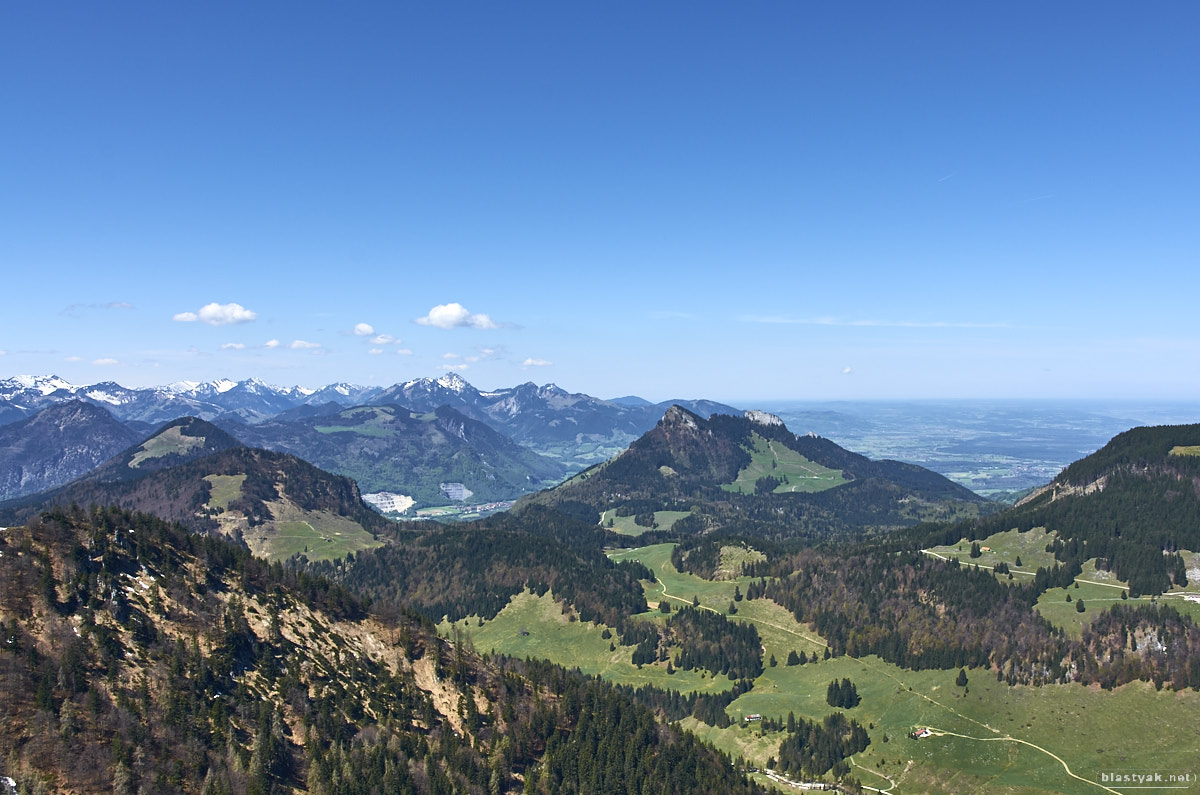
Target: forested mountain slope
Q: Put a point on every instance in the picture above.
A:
(392, 448)
(750, 475)
(1133, 505)
(139, 657)
(57, 445)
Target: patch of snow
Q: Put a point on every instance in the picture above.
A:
(453, 382)
(46, 384)
(222, 385)
(103, 397)
(181, 387)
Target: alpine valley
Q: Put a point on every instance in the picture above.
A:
(680, 597)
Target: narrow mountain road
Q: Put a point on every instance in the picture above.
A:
(882, 670)
(1009, 738)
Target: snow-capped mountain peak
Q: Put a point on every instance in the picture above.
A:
(45, 384)
(453, 382)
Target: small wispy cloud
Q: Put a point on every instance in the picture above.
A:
(455, 315)
(458, 367)
(384, 339)
(76, 310)
(375, 351)
(480, 355)
(233, 346)
(832, 321)
(269, 344)
(217, 315)
(847, 370)
(363, 330)
(104, 362)
(303, 345)
(73, 359)
(531, 362)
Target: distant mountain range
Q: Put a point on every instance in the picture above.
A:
(408, 438)
(577, 429)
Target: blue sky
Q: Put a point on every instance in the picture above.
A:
(672, 199)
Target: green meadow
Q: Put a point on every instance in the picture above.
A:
(533, 626)
(225, 489)
(375, 425)
(1098, 589)
(774, 459)
(627, 527)
(170, 441)
(319, 535)
(1005, 547)
(989, 737)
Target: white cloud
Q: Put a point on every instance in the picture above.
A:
(384, 339)
(364, 330)
(218, 315)
(459, 367)
(847, 370)
(375, 351)
(272, 344)
(451, 356)
(531, 362)
(232, 346)
(73, 359)
(104, 361)
(3, 353)
(455, 316)
(303, 345)
(403, 352)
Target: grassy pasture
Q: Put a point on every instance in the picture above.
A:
(225, 489)
(1186, 450)
(551, 635)
(1005, 547)
(1087, 728)
(319, 535)
(777, 627)
(168, 442)
(776, 460)
(374, 426)
(627, 527)
(991, 737)
(1098, 589)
